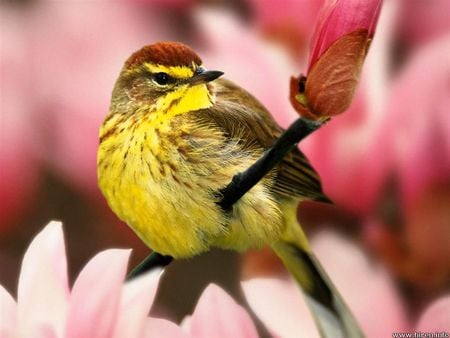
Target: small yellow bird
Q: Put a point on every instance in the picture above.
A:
(174, 137)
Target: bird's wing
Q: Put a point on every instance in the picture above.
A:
(244, 118)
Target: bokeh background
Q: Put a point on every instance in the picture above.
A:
(385, 162)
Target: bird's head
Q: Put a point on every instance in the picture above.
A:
(166, 78)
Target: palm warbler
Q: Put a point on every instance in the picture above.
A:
(175, 135)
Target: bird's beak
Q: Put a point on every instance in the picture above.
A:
(204, 77)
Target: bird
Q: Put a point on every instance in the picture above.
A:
(175, 135)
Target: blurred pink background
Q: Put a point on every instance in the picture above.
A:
(385, 162)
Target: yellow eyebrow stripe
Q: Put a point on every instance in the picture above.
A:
(179, 72)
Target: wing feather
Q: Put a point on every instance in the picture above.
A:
(255, 127)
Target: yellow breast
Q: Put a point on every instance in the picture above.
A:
(163, 183)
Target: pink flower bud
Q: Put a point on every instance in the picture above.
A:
(341, 40)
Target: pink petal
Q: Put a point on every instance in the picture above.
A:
(44, 331)
(280, 305)
(137, 298)
(186, 323)
(415, 135)
(217, 315)
(420, 106)
(292, 20)
(436, 318)
(43, 288)
(8, 314)
(244, 65)
(340, 17)
(366, 287)
(343, 153)
(95, 298)
(161, 328)
(350, 155)
(422, 21)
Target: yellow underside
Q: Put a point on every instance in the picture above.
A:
(169, 202)
(166, 195)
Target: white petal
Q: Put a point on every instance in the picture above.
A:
(8, 314)
(162, 328)
(43, 289)
(95, 296)
(137, 298)
(218, 315)
(367, 289)
(281, 307)
(436, 317)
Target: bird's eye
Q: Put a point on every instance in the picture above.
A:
(162, 78)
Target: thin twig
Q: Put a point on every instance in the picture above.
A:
(243, 182)
(150, 262)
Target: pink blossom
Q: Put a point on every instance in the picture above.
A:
(365, 286)
(280, 305)
(350, 158)
(397, 152)
(216, 309)
(417, 120)
(290, 22)
(221, 33)
(415, 130)
(341, 40)
(421, 21)
(436, 317)
(216, 315)
(339, 18)
(99, 304)
(343, 153)
(351, 153)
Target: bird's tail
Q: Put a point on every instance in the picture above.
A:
(329, 310)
